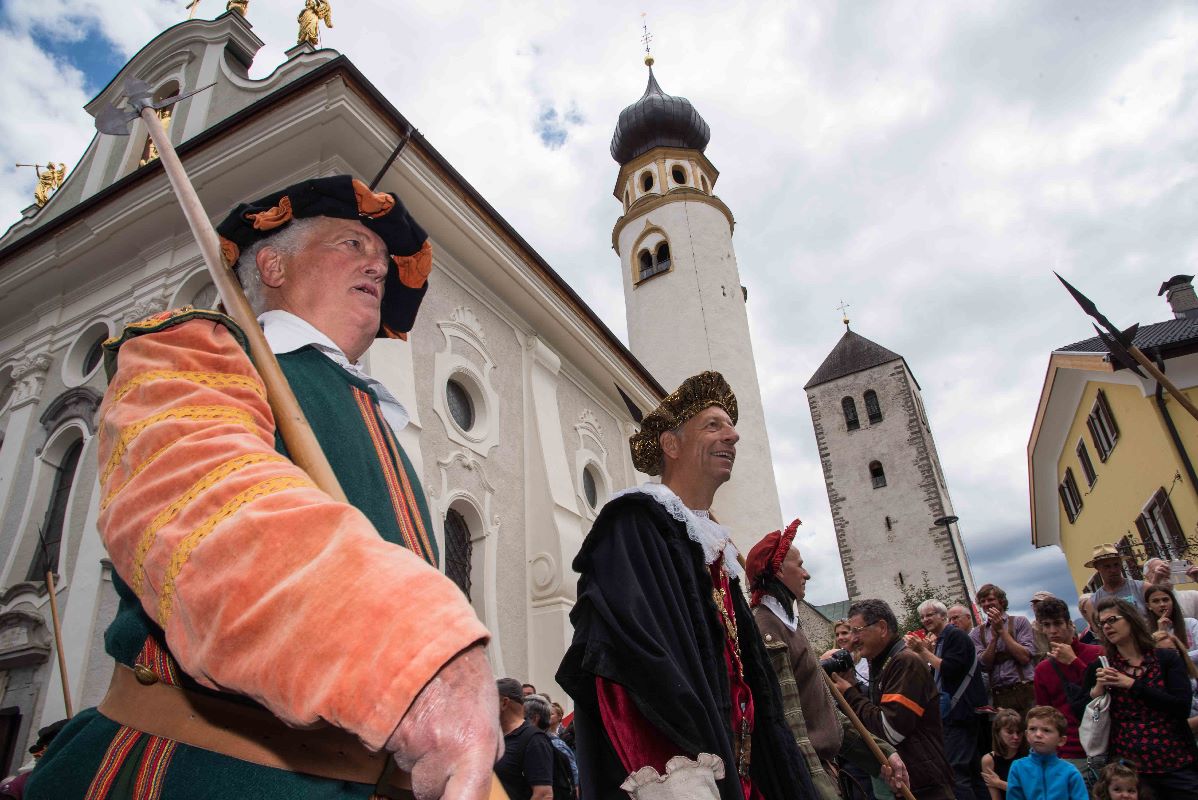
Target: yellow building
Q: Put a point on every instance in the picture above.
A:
(1112, 457)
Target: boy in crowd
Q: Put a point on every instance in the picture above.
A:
(1041, 775)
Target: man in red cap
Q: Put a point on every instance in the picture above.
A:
(778, 579)
(272, 642)
(667, 670)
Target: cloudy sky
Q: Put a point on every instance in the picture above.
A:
(929, 163)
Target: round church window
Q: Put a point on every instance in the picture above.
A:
(589, 487)
(461, 406)
(679, 175)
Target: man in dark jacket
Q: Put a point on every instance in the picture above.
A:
(959, 679)
(667, 669)
(903, 705)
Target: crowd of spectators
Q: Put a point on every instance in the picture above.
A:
(979, 704)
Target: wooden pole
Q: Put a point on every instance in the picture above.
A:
(1169, 385)
(862, 731)
(301, 442)
(62, 656)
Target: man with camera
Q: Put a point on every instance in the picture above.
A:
(959, 678)
(777, 580)
(903, 704)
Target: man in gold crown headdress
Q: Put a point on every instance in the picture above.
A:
(667, 669)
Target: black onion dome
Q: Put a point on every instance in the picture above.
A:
(658, 120)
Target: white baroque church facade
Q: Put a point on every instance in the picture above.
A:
(518, 393)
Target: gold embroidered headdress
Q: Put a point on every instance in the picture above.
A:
(695, 394)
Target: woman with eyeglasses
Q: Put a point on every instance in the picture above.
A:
(1150, 701)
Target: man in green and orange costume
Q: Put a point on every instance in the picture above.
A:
(272, 642)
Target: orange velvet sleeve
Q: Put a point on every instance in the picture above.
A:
(264, 585)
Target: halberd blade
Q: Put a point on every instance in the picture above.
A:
(170, 101)
(1119, 352)
(1091, 309)
(114, 121)
(138, 92)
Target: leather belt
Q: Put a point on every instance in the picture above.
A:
(138, 699)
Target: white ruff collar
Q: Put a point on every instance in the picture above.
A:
(713, 537)
(771, 602)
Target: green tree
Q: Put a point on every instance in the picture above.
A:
(914, 594)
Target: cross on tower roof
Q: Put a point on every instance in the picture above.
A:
(844, 312)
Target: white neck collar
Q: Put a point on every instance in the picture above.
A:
(713, 537)
(771, 602)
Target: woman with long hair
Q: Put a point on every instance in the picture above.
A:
(1165, 618)
(1150, 701)
(1006, 733)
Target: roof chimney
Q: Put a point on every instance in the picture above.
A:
(1179, 291)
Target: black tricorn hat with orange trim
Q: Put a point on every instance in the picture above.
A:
(344, 197)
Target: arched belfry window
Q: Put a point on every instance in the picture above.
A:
(663, 256)
(877, 474)
(458, 551)
(850, 414)
(655, 262)
(872, 408)
(50, 541)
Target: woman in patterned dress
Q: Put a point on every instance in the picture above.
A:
(1150, 702)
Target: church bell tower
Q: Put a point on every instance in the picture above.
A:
(683, 295)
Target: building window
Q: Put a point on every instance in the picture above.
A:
(590, 487)
(1160, 530)
(654, 263)
(850, 414)
(1070, 496)
(461, 406)
(877, 474)
(663, 256)
(889, 523)
(1131, 561)
(679, 175)
(1103, 429)
(458, 551)
(1083, 456)
(872, 408)
(646, 181)
(50, 533)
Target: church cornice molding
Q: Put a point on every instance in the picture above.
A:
(648, 205)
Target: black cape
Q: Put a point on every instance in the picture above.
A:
(645, 619)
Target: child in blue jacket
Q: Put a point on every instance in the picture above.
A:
(1042, 775)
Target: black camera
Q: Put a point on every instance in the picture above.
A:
(840, 661)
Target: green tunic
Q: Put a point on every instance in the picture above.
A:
(377, 478)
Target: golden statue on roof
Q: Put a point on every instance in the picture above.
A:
(242, 7)
(48, 181)
(310, 18)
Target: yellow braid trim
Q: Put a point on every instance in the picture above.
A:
(170, 512)
(216, 380)
(131, 432)
(192, 540)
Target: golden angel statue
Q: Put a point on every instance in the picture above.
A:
(48, 180)
(240, 6)
(310, 18)
(149, 151)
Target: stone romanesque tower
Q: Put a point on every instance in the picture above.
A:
(885, 484)
(682, 290)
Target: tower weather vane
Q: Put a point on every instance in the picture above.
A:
(646, 38)
(843, 307)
